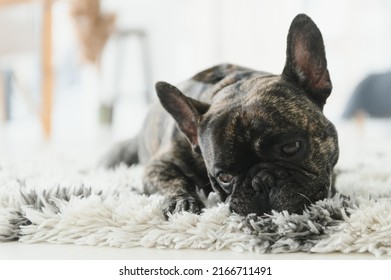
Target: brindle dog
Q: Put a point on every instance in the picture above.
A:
(261, 141)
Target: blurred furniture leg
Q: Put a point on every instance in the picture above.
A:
(7, 79)
(47, 74)
(3, 100)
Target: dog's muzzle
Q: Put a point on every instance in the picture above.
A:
(267, 187)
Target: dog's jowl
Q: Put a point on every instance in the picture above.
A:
(259, 140)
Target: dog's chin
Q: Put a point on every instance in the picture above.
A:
(257, 204)
(244, 204)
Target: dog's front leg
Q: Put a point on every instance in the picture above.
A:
(167, 178)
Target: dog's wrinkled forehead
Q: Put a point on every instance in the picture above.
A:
(270, 99)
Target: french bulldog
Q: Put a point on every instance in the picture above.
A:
(259, 140)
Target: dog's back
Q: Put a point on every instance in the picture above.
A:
(159, 128)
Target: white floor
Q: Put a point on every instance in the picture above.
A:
(45, 251)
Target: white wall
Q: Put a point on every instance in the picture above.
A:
(189, 35)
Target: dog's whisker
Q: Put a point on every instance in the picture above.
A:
(306, 197)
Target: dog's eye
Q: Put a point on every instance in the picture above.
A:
(224, 178)
(291, 149)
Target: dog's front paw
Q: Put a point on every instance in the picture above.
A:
(181, 203)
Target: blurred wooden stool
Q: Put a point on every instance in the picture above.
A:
(120, 38)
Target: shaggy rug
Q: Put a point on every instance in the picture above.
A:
(58, 201)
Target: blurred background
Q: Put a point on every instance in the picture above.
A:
(80, 73)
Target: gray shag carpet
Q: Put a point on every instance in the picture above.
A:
(59, 202)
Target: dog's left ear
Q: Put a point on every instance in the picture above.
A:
(186, 111)
(306, 62)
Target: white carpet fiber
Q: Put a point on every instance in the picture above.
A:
(61, 201)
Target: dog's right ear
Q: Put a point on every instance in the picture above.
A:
(186, 111)
(306, 62)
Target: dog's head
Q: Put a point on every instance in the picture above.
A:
(264, 139)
